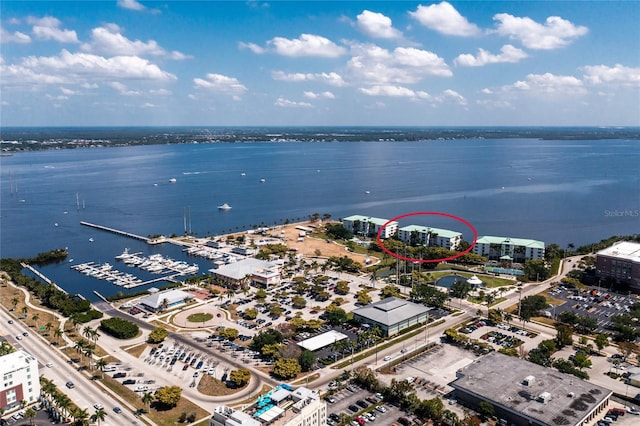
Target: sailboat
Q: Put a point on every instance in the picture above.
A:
(225, 206)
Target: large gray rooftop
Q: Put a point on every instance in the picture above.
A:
(502, 380)
(391, 311)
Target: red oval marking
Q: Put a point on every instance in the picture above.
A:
(411, 259)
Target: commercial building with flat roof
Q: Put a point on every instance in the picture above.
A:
(260, 272)
(171, 298)
(282, 406)
(20, 380)
(391, 315)
(620, 262)
(322, 340)
(369, 226)
(509, 249)
(527, 394)
(426, 236)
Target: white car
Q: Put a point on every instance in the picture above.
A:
(381, 409)
(98, 406)
(387, 358)
(49, 364)
(141, 389)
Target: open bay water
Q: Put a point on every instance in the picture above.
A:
(557, 191)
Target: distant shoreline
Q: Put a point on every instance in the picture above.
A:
(27, 139)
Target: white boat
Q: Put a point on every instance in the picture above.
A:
(243, 174)
(173, 180)
(90, 240)
(367, 192)
(263, 180)
(225, 206)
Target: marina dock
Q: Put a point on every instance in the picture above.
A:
(115, 231)
(42, 277)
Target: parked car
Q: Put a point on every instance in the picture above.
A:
(362, 403)
(119, 375)
(354, 408)
(129, 382)
(404, 421)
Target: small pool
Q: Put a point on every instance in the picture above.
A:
(448, 280)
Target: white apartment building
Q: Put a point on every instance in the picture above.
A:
(427, 236)
(20, 380)
(280, 407)
(369, 226)
(509, 249)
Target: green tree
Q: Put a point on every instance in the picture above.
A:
(266, 337)
(389, 291)
(251, 313)
(147, 397)
(298, 302)
(602, 341)
(460, 289)
(98, 416)
(564, 335)
(335, 315)
(101, 363)
(229, 333)
(286, 368)
(535, 270)
(363, 297)
(14, 302)
(239, 377)
(275, 309)
(35, 317)
(581, 361)
(30, 413)
(306, 360)
(169, 395)
(157, 335)
(486, 409)
(342, 287)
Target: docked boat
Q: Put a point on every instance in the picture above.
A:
(225, 206)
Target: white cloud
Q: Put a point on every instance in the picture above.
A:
(553, 34)
(148, 105)
(252, 47)
(306, 45)
(160, 92)
(445, 19)
(131, 5)
(68, 92)
(508, 53)
(109, 40)
(452, 95)
(393, 92)
(404, 65)
(331, 78)
(16, 37)
(48, 28)
(286, 103)
(377, 25)
(321, 95)
(122, 89)
(549, 84)
(486, 91)
(616, 75)
(221, 84)
(81, 68)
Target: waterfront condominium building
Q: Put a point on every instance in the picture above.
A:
(20, 380)
(282, 406)
(426, 236)
(509, 249)
(369, 226)
(620, 262)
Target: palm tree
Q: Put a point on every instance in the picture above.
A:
(86, 332)
(79, 347)
(58, 333)
(35, 318)
(81, 417)
(48, 326)
(64, 403)
(508, 317)
(30, 414)
(88, 351)
(100, 364)
(146, 399)
(25, 311)
(164, 305)
(98, 416)
(15, 302)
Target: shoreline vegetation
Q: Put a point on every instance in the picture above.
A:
(24, 139)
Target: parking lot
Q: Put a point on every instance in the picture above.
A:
(595, 302)
(346, 401)
(504, 335)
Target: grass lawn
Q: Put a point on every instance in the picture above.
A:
(137, 350)
(200, 317)
(211, 386)
(489, 281)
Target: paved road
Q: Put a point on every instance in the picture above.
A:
(85, 393)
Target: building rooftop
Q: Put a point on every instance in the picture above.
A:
(391, 311)
(529, 389)
(244, 267)
(15, 361)
(322, 340)
(173, 296)
(375, 220)
(623, 250)
(487, 239)
(446, 233)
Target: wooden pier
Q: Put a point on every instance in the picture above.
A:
(115, 231)
(42, 277)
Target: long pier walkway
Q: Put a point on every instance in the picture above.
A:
(115, 231)
(42, 277)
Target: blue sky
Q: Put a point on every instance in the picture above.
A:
(301, 63)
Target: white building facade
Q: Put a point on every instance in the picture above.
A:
(369, 226)
(20, 380)
(516, 249)
(426, 236)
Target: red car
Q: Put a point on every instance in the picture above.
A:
(185, 367)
